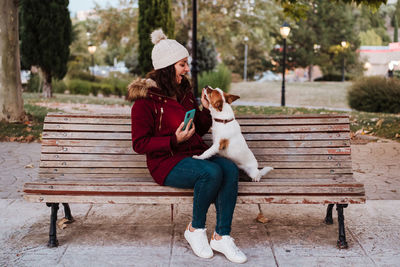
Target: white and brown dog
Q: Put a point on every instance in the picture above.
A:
(228, 140)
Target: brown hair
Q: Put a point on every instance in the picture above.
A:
(166, 81)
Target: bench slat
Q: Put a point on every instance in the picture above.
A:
(128, 143)
(256, 151)
(92, 199)
(255, 136)
(137, 157)
(146, 176)
(133, 164)
(244, 129)
(141, 189)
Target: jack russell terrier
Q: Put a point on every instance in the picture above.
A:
(228, 140)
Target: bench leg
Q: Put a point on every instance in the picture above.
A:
(328, 218)
(53, 242)
(341, 243)
(68, 214)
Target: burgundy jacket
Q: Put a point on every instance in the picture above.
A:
(155, 118)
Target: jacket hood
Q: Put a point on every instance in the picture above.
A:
(139, 88)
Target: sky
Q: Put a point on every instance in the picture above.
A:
(76, 5)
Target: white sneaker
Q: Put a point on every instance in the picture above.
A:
(227, 247)
(199, 242)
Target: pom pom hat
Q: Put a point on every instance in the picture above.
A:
(166, 51)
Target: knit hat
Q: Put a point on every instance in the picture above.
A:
(166, 51)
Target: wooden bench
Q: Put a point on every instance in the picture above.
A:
(89, 159)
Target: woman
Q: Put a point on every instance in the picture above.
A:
(161, 102)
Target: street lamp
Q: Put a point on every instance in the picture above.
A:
(245, 58)
(344, 45)
(284, 30)
(92, 50)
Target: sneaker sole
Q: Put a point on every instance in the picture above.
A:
(204, 257)
(232, 260)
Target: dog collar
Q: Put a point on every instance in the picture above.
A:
(223, 121)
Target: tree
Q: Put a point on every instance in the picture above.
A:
(11, 103)
(153, 14)
(207, 56)
(115, 27)
(326, 25)
(45, 38)
(396, 29)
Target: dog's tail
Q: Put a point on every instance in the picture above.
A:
(265, 170)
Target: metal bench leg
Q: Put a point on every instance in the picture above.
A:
(53, 242)
(328, 218)
(341, 243)
(68, 214)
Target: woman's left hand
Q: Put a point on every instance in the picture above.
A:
(204, 100)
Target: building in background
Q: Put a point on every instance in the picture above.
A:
(378, 58)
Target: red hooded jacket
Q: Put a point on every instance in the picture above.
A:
(155, 118)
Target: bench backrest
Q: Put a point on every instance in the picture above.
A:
(310, 154)
(100, 146)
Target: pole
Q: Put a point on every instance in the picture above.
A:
(245, 63)
(283, 73)
(194, 50)
(343, 69)
(93, 67)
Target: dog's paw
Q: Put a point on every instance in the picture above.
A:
(256, 179)
(197, 157)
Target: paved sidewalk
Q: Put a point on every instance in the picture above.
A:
(143, 235)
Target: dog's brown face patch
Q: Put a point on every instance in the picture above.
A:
(215, 99)
(223, 144)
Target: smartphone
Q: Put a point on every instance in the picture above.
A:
(188, 116)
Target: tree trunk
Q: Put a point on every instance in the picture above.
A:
(47, 85)
(11, 103)
(310, 69)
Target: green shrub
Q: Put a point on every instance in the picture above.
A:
(220, 78)
(82, 87)
(332, 78)
(375, 94)
(58, 86)
(34, 84)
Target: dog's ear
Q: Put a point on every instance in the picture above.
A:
(230, 98)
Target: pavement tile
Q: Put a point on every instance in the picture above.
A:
(116, 256)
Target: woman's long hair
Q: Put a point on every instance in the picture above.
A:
(166, 81)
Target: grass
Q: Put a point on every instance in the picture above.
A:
(378, 124)
(32, 98)
(314, 94)
(330, 95)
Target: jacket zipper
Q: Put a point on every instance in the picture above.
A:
(162, 111)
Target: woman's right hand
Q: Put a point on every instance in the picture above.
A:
(182, 136)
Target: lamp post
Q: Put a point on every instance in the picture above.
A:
(284, 30)
(194, 69)
(92, 50)
(344, 45)
(245, 58)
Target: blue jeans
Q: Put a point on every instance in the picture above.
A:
(214, 180)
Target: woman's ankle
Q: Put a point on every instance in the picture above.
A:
(217, 236)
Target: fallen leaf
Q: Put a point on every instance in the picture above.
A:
(397, 135)
(29, 138)
(28, 129)
(62, 224)
(379, 123)
(12, 139)
(29, 166)
(261, 218)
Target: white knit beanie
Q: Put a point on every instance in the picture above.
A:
(166, 51)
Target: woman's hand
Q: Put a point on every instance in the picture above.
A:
(182, 136)
(204, 100)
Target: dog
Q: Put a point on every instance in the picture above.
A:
(228, 140)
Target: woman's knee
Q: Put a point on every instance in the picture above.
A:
(212, 173)
(229, 169)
